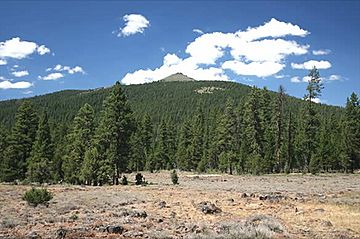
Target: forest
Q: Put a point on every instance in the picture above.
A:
(92, 137)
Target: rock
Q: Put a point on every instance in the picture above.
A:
(243, 195)
(60, 233)
(162, 204)
(319, 210)
(326, 223)
(141, 214)
(115, 229)
(208, 208)
(33, 235)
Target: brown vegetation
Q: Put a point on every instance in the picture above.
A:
(276, 206)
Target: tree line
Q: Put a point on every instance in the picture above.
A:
(260, 134)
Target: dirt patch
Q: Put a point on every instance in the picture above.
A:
(273, 206)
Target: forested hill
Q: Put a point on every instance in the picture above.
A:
(175, 99)
(93, 136)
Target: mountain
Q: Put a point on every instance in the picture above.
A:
(177, 77)
(175, 97)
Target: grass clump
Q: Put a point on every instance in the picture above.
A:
(174, 177)
(36, 196)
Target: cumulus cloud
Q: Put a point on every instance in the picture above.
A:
(134, 23)
(20, 73)
(68, 69)
(52, 76)
(3, 62)
(258, 51)
(259, 69)
(16, 85)
(18, 49)
(308, 65)
(42, 50)
(295, 79)
(321, 52)
(334, 77)
(198, 31)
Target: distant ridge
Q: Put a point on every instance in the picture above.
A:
(177, 77)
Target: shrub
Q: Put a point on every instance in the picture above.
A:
(174, 177)
(37, 196)
(139, 179)
(124, 180)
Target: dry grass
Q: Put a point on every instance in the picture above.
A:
(326, 206)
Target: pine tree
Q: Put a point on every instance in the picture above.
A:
(352, 131)
(20, 142)
(3, 144)
(60, 144)
(112, 137)
(39, 164)
(289, 146)
(183, 154)
(79, 140)
(279, 129)
(225, 138)
(197, 139)
(311, 121)
(141, 141)
(162, 150)
(268, 130)
(252, 144)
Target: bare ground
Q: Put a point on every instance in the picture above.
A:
(271, 206)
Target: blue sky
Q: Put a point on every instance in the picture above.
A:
(47, 46)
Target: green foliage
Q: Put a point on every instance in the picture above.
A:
(20, 142)
(36, 196)
(139, 179)
(124, 180)
(174, 177)
(79, 140)
(39, 164)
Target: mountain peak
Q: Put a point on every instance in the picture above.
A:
(177, 77)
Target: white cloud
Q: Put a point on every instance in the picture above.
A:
(334, 78)
(18, 49)
(258, 51)
(259, 69)
(134, 23)
(52, 76)
(70, 70)
(321, 52)
(198, 31)
(308, 65)
(20, 73)
(316, 100)
(273, 28)
(42, 50)
(3, 62)
(280, 76)
(295, 79)
(17, 85)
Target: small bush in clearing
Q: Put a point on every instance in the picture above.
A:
(174, 177)
(37, 196)
(139, 179)
(124, 180)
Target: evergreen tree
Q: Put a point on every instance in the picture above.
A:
(183, 154)
(352, 131)
(40, 162)
(311, 120)
(252, 144)
(3, 142)
(225, 138)
(279, 129)
(267, 130)
(197, 139)
(289, 146)
(60, 144)
(20, 142)
(112, 137)
(162, 150)
(79, 140)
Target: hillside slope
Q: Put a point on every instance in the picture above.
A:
(174, 99)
